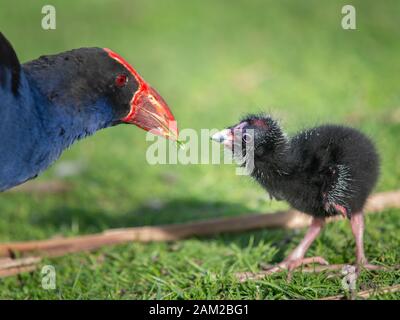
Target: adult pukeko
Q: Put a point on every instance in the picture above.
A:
(325, 171)
(48, 103)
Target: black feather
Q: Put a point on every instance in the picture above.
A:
(9, 63)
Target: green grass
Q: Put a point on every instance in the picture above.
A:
(213, 61)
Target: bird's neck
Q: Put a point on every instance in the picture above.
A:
(65, 119)
(34, 130)
(275, 166)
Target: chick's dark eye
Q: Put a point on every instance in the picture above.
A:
(247, 136)
(121, 80)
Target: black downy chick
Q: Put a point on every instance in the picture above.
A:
(324, 171)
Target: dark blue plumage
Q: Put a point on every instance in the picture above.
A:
(35, 136)
(48, 103)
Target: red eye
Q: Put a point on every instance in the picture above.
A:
(121, 80)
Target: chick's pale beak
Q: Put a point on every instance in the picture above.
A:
(150, 112)
(227, 136)
(224, 136)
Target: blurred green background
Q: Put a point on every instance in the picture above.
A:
(212, 61)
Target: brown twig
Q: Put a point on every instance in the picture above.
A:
(9, 266)
(245, 276)
(61, 246)
(333, 268)
(368, 293)
(283, 219)
(42, 187)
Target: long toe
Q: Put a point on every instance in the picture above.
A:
(288, 265)
(370, 266)
(293, 264)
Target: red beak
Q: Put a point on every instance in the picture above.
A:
(148, 111)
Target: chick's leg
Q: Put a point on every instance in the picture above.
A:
(357, 227)
(296, 257)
